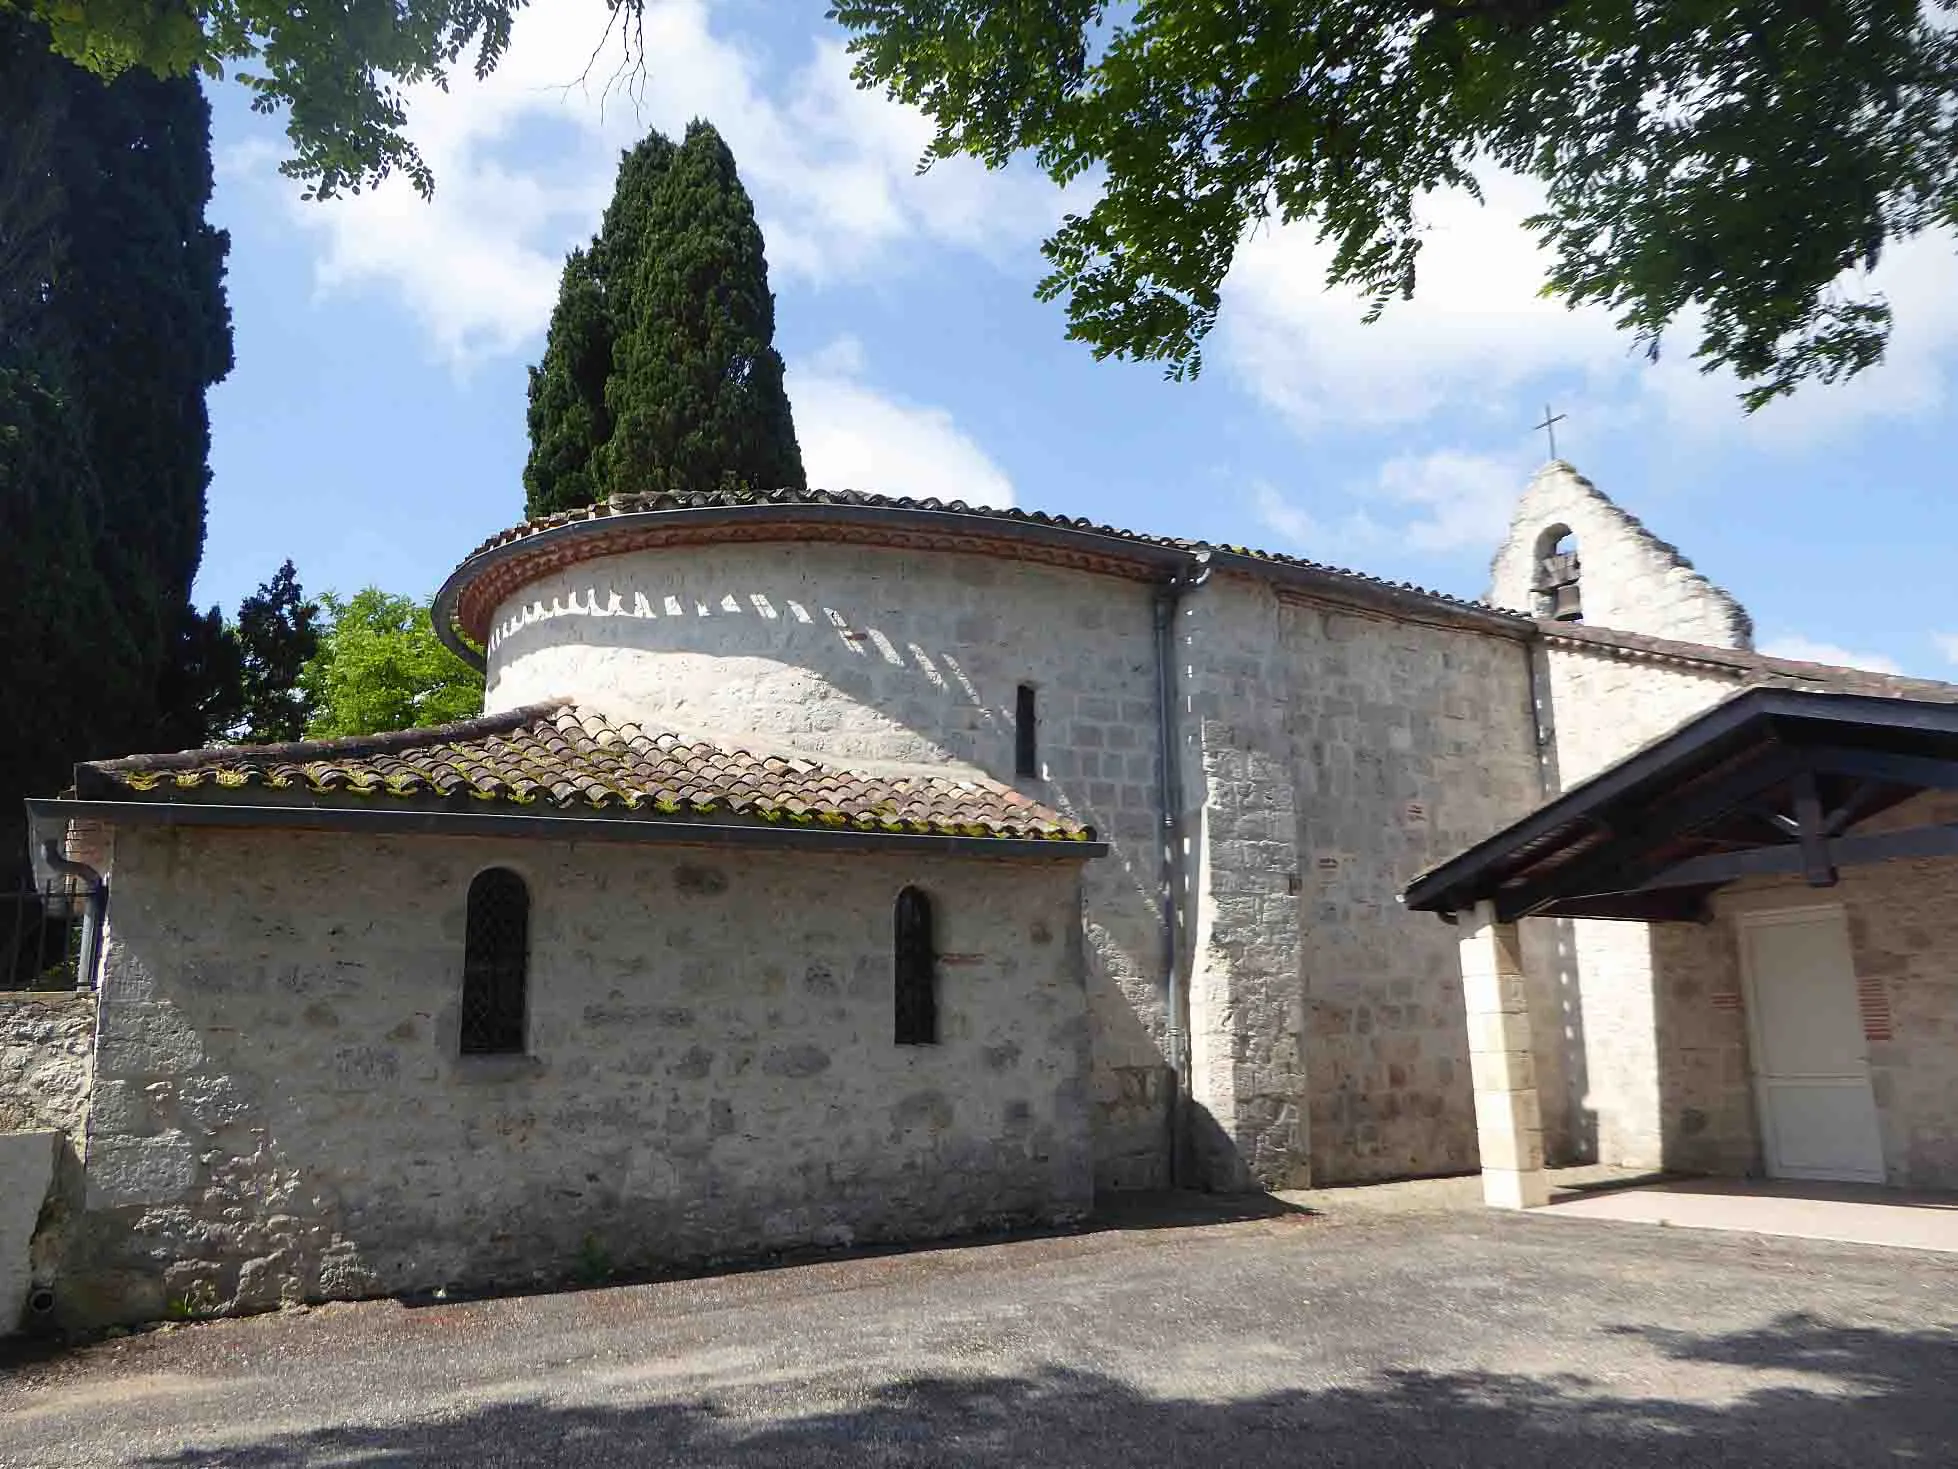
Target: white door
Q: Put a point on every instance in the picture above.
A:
(1811, 1071)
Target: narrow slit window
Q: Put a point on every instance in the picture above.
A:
(917, 961)
(1026, 742)
(495, 965)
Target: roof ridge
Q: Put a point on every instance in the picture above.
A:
(386, 742)
(1744, 661)
(561, 756)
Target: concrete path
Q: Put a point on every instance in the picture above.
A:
(1845, 1212)
(1346, 1340)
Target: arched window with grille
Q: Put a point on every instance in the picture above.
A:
(917, 961)
(495, 965)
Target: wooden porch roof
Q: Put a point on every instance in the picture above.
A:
(1768, 783)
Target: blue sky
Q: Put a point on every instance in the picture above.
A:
(373, 429)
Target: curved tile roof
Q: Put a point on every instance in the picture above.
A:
(513, 557)
(555, 758)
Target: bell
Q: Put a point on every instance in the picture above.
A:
(1564, 604)
(1557, 568)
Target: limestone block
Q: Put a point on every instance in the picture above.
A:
(146, 1040)
(149, 1170)
(26, 1170)
(1498, 1030)
(1510, 1188)
(1508, 1129)
(1495, 994)
(120, 1108)
(1502, 1071)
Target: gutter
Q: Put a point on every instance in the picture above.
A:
(1176, 1000)
(625, 828)
(93, 914)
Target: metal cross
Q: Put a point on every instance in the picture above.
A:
(1549, 426)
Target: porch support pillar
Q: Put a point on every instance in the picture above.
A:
(1508, 1121)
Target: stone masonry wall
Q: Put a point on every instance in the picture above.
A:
(1338, 755)
(281, 1111)
(45, 1041)
(867, 656)
(1705, 1094)
(1903, 939)
(1594, 1006)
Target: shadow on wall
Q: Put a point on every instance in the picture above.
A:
(906, 701)
(1829, 1395)
(1570, 1128)
(934, 678)
(1557, 989)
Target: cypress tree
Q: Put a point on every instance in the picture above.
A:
(139, 309)
(278, 635)
(660, 371)
(112, 325)
(570, 423)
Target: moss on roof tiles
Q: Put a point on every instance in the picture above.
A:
(574, 760)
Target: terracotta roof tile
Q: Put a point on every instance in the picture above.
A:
(563, 759)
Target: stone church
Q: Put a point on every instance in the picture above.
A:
(828, 869)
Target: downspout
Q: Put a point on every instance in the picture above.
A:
(92, 914)
(1176, 1000)
(1540, 737)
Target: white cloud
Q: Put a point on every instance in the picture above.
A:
(1439, 503)
(1476, 329)
(1947, 644)
(1479, 333)
(1809, 650)
(524, 163)
(1461, 501)
(1284, 519)
(855, 438)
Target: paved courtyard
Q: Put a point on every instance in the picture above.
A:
(1358, 1338)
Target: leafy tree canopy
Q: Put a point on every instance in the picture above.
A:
(380, 667)
(1735, 163)
(1735, 159)
(337, 70)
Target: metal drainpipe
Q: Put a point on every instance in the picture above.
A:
(98, 902)
(1540, 736)
(1169, 596)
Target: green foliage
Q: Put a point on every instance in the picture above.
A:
(277, 634)
(1722, 163)
(594, 1265)
(696, 393)
(1728, 164)
(569, 423)
(199, 697)
(660, 370)
(380, 667)
(66, 656)
(338, 71)
(112, 325)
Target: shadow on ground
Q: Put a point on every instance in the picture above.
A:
(1827, 1395)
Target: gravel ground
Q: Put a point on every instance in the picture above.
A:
(1357, 1338)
